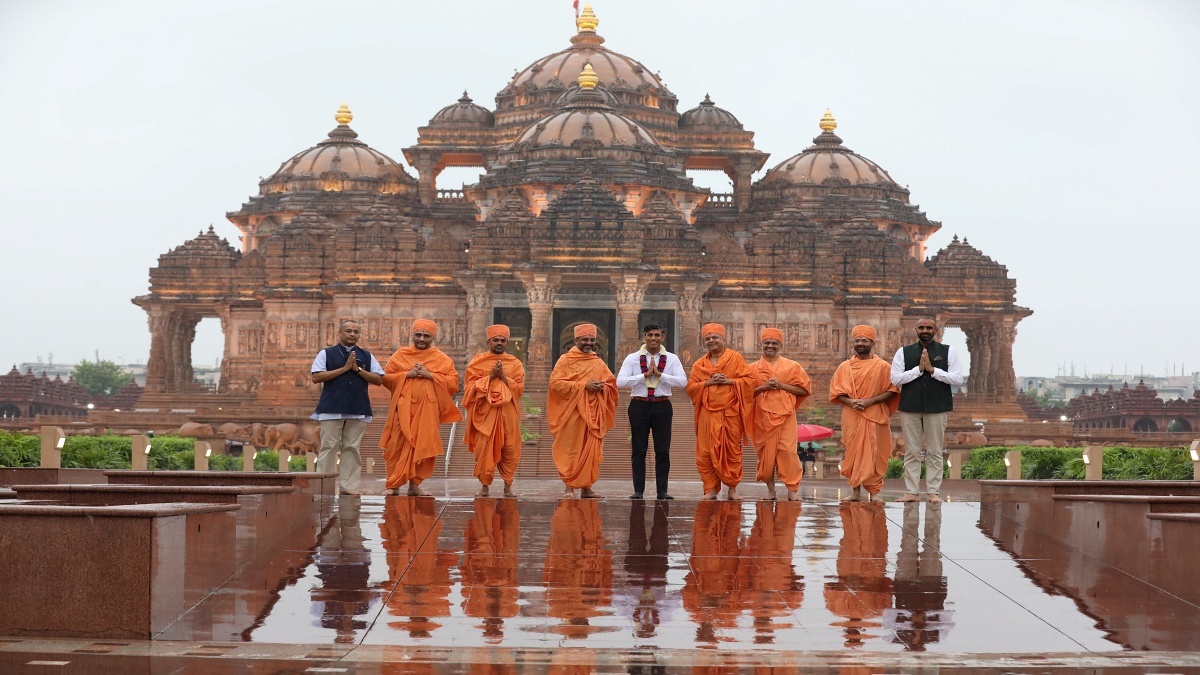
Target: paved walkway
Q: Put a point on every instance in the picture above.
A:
(456, 584)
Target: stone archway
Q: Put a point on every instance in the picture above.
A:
(1145, 424)
(565, 321)
(9, 411)
(172, 332)
(1179, 425)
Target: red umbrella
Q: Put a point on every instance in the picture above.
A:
(812, 432)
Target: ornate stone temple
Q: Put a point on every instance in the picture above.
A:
(584, 212)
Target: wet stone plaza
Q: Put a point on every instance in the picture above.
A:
(452, 584)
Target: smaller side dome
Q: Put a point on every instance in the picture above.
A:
(340, 162)
(707, 115)
(828, 162)
(464, 114)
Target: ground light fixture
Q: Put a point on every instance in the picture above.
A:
(140, 451)
(53, 440)
(1012, 460)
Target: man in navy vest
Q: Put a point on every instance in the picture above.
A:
(926, 372)
(344, 411)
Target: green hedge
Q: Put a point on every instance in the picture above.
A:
(167, 453)
(1067, 463)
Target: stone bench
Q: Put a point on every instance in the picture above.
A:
(1155, 503)
(1142, 528)
(123, 572)
(315, 485)
(309, 504)
(35, 475)
(114, 495)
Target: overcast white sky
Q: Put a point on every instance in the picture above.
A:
(1059, 137)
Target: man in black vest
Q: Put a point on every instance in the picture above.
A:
(344, 410)
(926, 372)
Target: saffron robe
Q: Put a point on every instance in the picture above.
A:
(411, 440)
(494, 415)
(866, 435)
(724, 417)
(775, 420)
(579, 418)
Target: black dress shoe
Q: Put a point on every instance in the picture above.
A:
(664, 495)
(636, 495)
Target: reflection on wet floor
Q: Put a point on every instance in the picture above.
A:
(812, 575)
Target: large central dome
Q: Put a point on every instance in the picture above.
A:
(616, 71)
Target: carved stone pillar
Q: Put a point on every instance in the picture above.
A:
(182, 337)
(161, 356)
(479, 313)
(426, 179)
(540, 289)
(975, 348)
(1004, 378)
(987, 367)
(742, 184)
(690, 300)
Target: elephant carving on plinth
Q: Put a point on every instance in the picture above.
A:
(233, 431)
(295, 438)
(971, 438)
(197, 430)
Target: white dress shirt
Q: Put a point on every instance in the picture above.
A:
(952, 375)
(631, 375)
(318, 366)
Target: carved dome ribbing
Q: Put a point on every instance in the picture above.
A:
(708, 116)
(463, 114)
(827, 161)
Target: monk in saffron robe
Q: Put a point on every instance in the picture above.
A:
(581, 408)
(780, 386)
(863, 385)
(722, 391)
(492, 392)
(422, 379)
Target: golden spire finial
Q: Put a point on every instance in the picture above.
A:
(588, 78)
(586, 22)
(827, 122)
(343, 115)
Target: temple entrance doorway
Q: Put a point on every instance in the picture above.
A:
(563, 337)
(520, 322)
